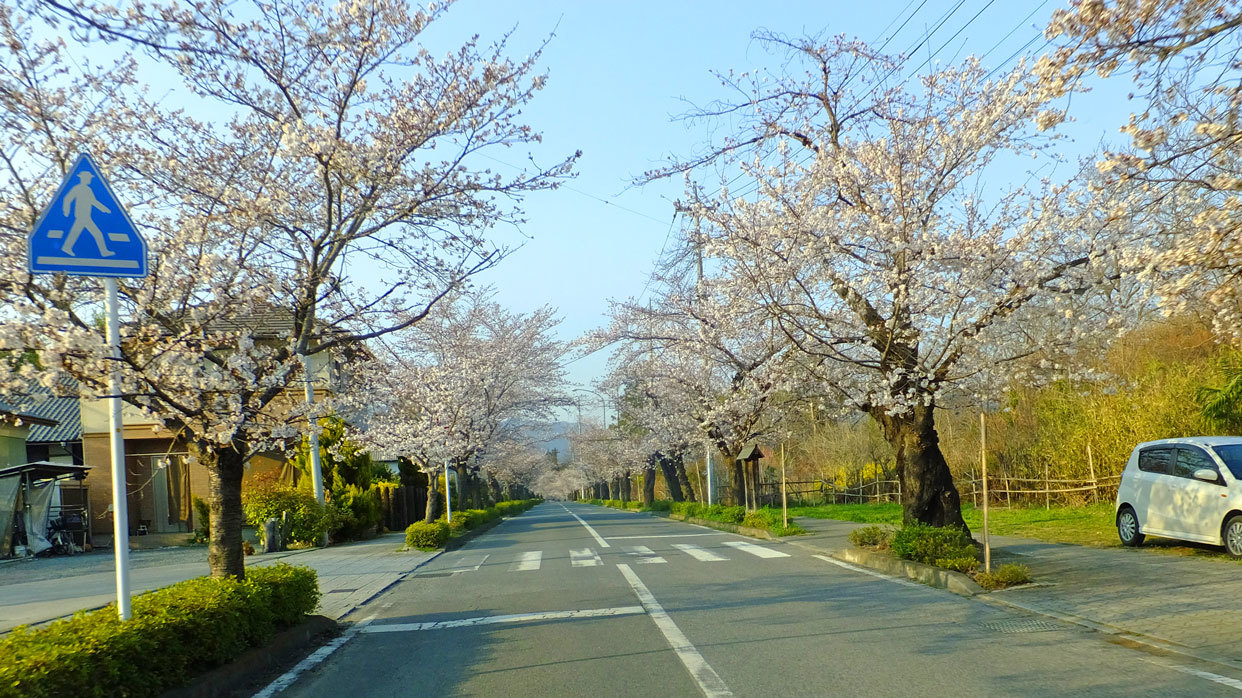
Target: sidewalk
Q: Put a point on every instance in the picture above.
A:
(349, 576)
(1185, 605)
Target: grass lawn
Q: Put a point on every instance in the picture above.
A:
(1092, 525)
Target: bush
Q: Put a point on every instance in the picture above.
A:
(932, 545)
(1006, 575)
(660, 505)
(731, 514)
(202, 517)
(358, 513)
(174, 634)
(871, 537)
(267, 498)
(426, 536)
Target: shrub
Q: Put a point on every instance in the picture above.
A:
(660, 505)
(174, 634)
(202, 517)
(267, 498)
(478, 517)
(358, 512)
(932, 544)
(871, 537)
(731, 514)
(958, 564)
(426, 536)
(1007, 575)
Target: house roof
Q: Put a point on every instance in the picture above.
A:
(54, 419)
(751, 452)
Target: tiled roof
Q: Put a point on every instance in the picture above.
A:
(42, 405)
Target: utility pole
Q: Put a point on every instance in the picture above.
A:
(707, 441)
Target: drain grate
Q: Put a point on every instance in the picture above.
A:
(1032, 625)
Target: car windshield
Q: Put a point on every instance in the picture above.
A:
(1232, 455)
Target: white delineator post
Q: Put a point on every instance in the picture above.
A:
(784, 491)
(116, 438)
(448, 494)
(313, 436)
(983, 461)
(707, 463)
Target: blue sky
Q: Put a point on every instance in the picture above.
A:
(618, 74)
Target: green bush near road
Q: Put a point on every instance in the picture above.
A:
(426, 536)
(874, 536)
(174, 634)
(1007, 575)
(951, 548)
(766, 518)
(430, 536)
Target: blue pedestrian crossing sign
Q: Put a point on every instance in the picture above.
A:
(85, 231)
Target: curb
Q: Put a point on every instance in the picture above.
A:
(230, 678)
(956, 582)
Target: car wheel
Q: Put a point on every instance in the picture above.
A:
(1233, 535)
(1128, 528)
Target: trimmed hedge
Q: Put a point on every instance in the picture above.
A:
(947, 547)
(767, 518)
(174, 634)
(426, 536)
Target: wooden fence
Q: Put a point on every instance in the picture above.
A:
(1002, 490)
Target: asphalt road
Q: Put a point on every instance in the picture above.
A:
(576, 600)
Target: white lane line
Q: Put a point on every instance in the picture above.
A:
(700, 554)
(527, 561)
(877, 575)
(286, 679)
(1217, 678)
(512, 618)
(645, 555)
(756, 550)
(602, 543)
(585, 558)
(704, 675)
(467, 563)
(668, 535)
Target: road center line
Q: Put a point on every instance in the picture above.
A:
(286, 679)
(602, 543)
(511, 618)
(704, 675)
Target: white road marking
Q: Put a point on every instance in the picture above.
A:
(467, 563)
(286, 679)
(602, 543)
(756, 550)
(527, 561)
(700, 554)
(512, 618)
(1217, 678)
(708, 680)
(669, 535)
(877, 575)
(646, 556)
(585, 558)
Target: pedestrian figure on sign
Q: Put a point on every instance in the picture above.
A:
(83, 200)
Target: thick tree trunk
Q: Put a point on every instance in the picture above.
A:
(738, 486)
(626, 493)
(669, 468)
(614, 489)
(683, 479)
(433, 500)
(648, 493)
(927, 491)
(225, 467)
(493, 488)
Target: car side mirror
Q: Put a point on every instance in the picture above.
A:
(1206, 474)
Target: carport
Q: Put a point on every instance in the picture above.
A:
(26, 493)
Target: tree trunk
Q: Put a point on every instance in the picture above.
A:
(225, 467)
(738, 486)
(614, 489)
(493, 487)
(626, 493)
(683, 479)
(648, 493)
(433, 499)
(927, 492)
(669, 468)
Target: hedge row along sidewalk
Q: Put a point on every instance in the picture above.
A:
(422, 535)
(174, 634)
(765, 519)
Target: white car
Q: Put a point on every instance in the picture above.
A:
(1189, 489)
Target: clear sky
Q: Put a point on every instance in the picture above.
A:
(619, 72)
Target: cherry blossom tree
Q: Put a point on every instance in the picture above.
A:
(336, 194)
(874, 233)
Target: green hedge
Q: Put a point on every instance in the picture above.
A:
(426, 536)
(174, 634)
(767, 518)
(951, 548)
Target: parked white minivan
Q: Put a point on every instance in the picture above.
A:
(1188, 488)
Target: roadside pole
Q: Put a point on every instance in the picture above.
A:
(707, 463)
(784, 492)
(85, 203)
(116, 439)
(448, 494)
(313, 434)
(983, 461)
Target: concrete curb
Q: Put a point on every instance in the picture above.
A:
(956, 582)
(229, 679)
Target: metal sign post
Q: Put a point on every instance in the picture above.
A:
(448, 493)
(983, 461)
(113, 248)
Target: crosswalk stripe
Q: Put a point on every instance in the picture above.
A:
(756, 550)
(585, 558)
(700, 554)
(528, 561)
(646, 556)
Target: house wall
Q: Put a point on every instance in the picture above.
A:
(13, 444)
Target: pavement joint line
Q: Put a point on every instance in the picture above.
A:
(708, 681)
(287, 679)
(872, 573)
(602, 543)
(509, 618)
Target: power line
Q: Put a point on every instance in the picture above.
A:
(589, 195)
